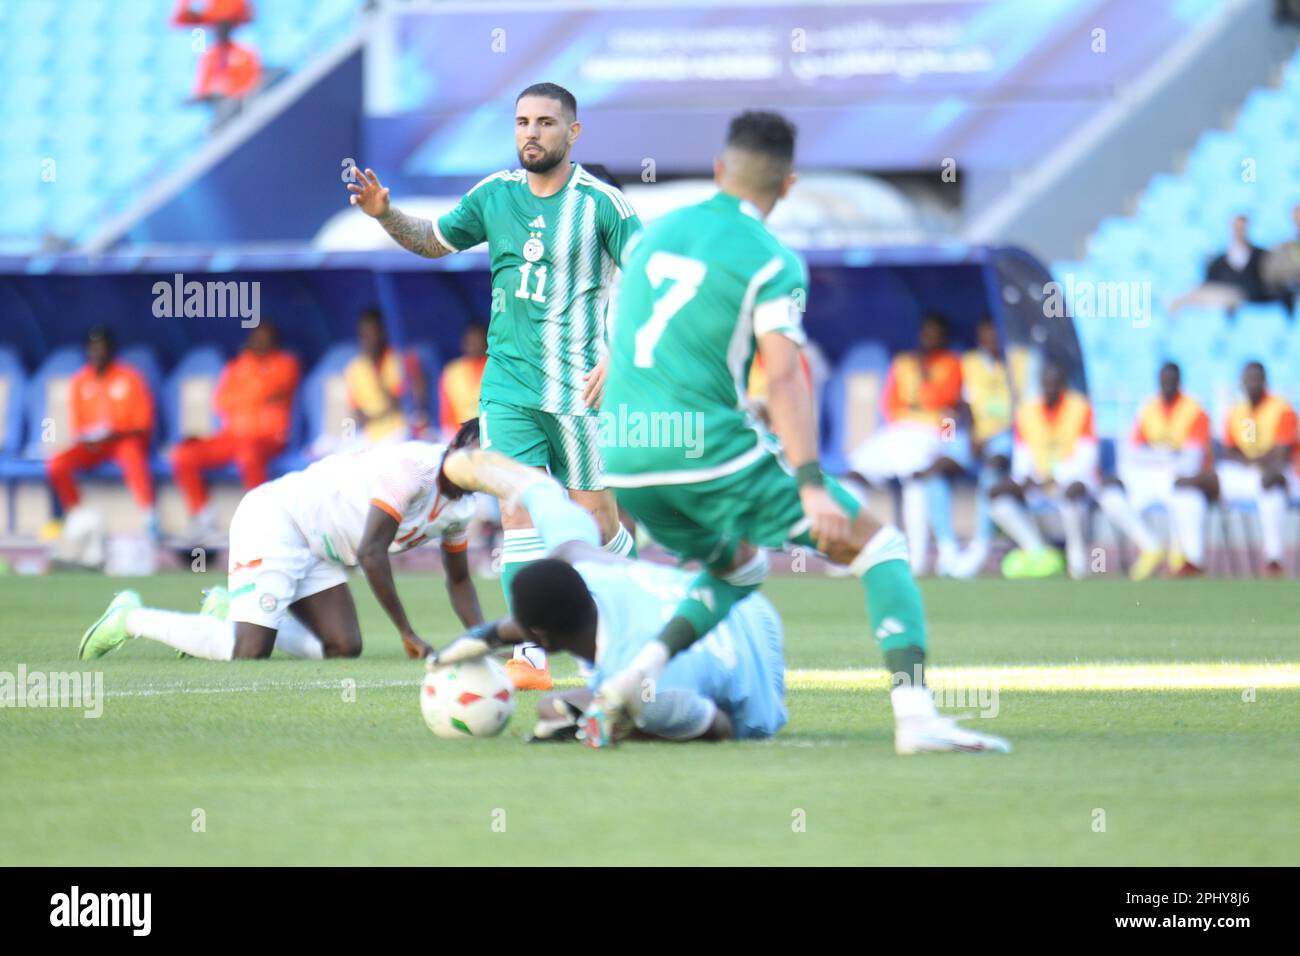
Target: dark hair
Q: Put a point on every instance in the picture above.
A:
(1172, 365)
(939, 319)
(1255, 363)
(371, 313)
(467, 434)
(271, 328)
(550, 596)
(602, 173)
(769, 134)
(555, 92)
(102, 333)
(475, 324)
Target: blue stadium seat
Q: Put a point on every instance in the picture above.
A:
(123, 64)
(43, 399)
(13, 384)
(851, 402)
(187, 395)
(323, 404)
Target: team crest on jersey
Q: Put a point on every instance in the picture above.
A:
(267, 602)
(533, 249)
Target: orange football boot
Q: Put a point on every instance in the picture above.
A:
(527, 677)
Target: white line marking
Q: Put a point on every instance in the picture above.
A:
(1060, 677)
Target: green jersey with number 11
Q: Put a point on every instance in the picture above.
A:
(552, 260)
(698, 287)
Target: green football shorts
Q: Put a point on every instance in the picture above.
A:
(567, 445)
(704, 521)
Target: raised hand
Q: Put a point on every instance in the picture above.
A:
(368, 193)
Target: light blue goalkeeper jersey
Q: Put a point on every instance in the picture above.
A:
(739, 665)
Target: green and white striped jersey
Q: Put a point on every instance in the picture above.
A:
(552, 262)
(698, 287)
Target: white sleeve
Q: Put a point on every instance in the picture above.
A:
(400, 475)
(780, 315)
(455, 536)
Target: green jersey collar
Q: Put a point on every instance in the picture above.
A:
(572, 181)
(735, 202)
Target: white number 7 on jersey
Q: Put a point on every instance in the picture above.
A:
(687, 274)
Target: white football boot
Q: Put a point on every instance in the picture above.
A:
(938, 734)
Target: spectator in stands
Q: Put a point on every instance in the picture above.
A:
(110, 414)
(228, 73)
(1053, 462)
(1168, 462)
(1281, 267)
(458, 387)
(379, 381)
(1233, 277)
(254, 399)
(233, 12)
(986, 394)
(1260, 446)
(915, 445)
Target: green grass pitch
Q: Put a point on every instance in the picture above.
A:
(284, 769)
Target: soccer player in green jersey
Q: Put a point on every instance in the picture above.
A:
(701, 289)
(555, 235)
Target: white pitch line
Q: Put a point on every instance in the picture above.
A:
(1063, 677)
(1070, 677)
(175, 689)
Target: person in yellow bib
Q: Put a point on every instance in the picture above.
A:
(461, 380)
(1167, 462)
(378, 381)
(1054, 461)
(986, 394)
(917, 442)
(1260, 459)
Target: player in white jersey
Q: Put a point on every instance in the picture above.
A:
(291, 542)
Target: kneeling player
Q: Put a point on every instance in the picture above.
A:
(729, 685)
(290, 543)
(605, 608)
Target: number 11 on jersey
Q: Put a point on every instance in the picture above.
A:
(522, 291)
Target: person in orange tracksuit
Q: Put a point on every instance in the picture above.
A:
(190, 12)
(1053, 459)
(458, 387)
(229, 70)
(111, 417)
(1261, 450)
(921, 395)
(254, 398)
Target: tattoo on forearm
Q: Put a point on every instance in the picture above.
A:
(412, 233)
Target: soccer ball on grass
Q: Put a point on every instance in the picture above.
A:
(469, 699)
